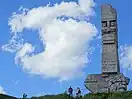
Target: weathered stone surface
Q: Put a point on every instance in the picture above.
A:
(111, 79)
(113, 82)
(110, 59)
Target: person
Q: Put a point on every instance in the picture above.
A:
(70, 91)
(78, 93)
(65, 93)
(24, 96)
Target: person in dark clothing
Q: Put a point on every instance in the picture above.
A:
(24, 96)
(70, 91)
(78, 93)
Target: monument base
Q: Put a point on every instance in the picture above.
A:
(98, 83)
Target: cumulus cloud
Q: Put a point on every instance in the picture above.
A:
(126, 56)
(65, 31)
(2, 90)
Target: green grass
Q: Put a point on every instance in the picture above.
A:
(117, 95)
(6, 97)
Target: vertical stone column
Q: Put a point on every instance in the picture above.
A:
(110, 61)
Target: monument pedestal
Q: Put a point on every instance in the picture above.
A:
(98, 83)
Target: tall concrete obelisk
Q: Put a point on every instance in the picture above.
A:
(110, 61)
(110, 79)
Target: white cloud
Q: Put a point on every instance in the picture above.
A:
(126, 56)
(2, 90)
(25, 52)
(14, 44)
(66, 42)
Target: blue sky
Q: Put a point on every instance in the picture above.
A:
(15, 80)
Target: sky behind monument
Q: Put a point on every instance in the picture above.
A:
(45, 49)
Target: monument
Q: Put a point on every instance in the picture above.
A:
(110, 79)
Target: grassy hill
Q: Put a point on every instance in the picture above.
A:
(119, 95)
(7, 97)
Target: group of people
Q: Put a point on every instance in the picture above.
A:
(24, 96)
(78, 92)
(70, 93)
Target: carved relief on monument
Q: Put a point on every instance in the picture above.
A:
(108, 41)
(104, 24)
(112, 23)
(118, 83)
(108, 37)
(104, 31)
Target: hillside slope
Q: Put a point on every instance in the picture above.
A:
(2, 96)
(119, 95)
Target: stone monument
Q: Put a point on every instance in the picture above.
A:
(110, 79)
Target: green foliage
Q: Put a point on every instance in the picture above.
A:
(114, 95)
(59, 96)
(2, 96)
